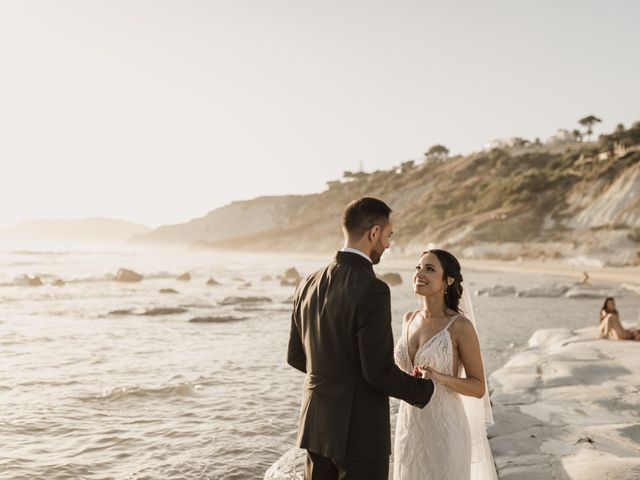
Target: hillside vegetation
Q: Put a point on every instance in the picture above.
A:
(574, 199)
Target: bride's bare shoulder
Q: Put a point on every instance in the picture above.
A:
(461, 323)
(408, 316)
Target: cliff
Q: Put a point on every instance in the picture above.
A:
(537, 203)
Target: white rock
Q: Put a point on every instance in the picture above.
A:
(289, 467)
(496, 291)
(584, 421)
(547, 337)
(585, 292)
(544, 291)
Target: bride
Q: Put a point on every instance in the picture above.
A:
(446, 439)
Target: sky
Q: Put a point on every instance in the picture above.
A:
(159, 111)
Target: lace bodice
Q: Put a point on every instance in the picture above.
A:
(437, 352)
(433, 442)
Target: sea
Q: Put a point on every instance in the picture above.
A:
(101, 379)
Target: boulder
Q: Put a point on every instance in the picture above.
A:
(496, 291)
(125, 275)
(586, 292)
(185, 277)
(291, 278)
(289, 467)
(168, 290)
(544, 291)
(34, 281)
(212, 282)
(58, 282)
(391, 279)
(29, 281)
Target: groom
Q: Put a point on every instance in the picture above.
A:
(341, 338)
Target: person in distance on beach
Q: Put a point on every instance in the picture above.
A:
(610, 325)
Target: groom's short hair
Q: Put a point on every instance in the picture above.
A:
(362, 214)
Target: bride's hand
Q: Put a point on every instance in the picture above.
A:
(429, 373)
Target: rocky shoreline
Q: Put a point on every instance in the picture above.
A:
(568, 407)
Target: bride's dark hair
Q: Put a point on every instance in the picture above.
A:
(451, 268)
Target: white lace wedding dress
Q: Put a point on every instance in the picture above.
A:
(433, 442)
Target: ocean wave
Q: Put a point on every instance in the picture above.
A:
(122, 393)
(195, 305)
(22, 280)
(213, 319)
(151, 311)
(111, 277)
(244, 300)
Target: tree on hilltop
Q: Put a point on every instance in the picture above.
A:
(621, 137)
(577, 135)
(437, 153)
(406, 166)
(588, 122)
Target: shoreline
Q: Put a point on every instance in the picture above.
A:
(558, 268)
(628, 274)
(568, 407)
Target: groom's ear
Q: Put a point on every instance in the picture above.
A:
(374, 232)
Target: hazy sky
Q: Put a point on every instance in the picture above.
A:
(159, 111)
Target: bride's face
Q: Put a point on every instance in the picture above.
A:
(427, 280)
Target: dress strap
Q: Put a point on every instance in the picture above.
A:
(413, 315)
(451, 320)
(406, 332)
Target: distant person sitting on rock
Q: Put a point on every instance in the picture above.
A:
(585, 278)
(610, 325)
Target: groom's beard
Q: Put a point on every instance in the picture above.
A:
(376, 253)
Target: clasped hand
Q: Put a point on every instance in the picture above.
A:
(428, 373)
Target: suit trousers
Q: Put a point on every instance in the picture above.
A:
(318, 467)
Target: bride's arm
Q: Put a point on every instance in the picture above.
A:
(469, 347)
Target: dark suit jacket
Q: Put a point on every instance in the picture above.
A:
(341, 338)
